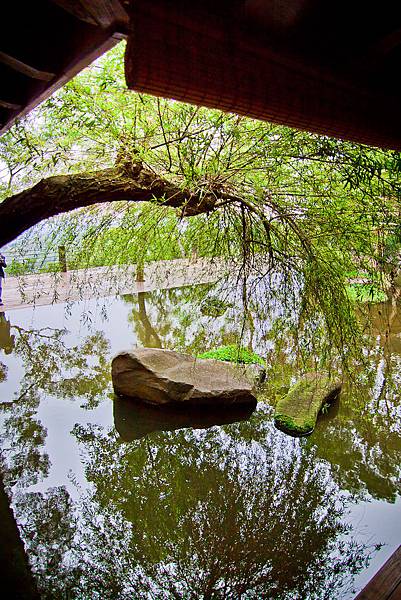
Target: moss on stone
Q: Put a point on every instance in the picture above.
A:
(234, 354)
(297, 412)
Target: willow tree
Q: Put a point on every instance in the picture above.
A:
(300, 210)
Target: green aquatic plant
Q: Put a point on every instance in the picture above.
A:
(233, 353)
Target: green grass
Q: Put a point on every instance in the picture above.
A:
(235, 354)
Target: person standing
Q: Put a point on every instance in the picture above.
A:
(3, 264)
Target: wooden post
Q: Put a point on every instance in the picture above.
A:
(194, 254)
(62, 259)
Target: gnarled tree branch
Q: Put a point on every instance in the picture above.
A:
(62, 193)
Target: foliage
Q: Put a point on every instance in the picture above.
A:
(233, 354)
(297, 210)
(214, 307)
(362, 292)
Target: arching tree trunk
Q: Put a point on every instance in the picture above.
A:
(62, 193)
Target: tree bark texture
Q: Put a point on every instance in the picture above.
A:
(62, 193)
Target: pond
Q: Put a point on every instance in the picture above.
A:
(116, 500)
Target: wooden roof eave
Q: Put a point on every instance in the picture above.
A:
(83, 38)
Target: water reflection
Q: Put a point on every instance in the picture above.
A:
(134, 420)
(51, 368)
(172, 319)
(7, 341)
(168, 505)
(197, 515)
(364, 447)
(363, 442)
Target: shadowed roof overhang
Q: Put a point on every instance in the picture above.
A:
(327, 67)
(43, 44)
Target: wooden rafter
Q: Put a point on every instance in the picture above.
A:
(104, 13)
(22, 67)
(9, 105)
(50, 43)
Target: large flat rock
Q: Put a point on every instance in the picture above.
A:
(163, 376)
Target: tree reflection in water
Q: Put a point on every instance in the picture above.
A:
(211, 514)
(363, 441)
(232, 511)
(51, 368)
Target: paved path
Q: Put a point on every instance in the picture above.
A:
(54, 288)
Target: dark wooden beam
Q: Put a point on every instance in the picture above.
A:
(9, 105)
(22, 67)
(99, 42)
(47, 43)
(386, 584)
(105, 13)
(386, 44)
(4, 115)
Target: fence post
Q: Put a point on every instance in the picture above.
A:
(62, 259)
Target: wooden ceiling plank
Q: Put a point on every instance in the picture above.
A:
(387, 44)
(27, 70)
(10, 105)
(254, 77)
(102, 42)
(105, 13)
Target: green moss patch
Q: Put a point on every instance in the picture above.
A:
(297, 412)
(234, 354)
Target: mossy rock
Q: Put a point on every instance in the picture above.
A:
(297, 412)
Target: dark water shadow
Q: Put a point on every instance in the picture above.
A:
(17, 580)
(134, 420)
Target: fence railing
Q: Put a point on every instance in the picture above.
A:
(20, 262)
(58, 260)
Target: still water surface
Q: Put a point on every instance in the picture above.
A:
(116, 500)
